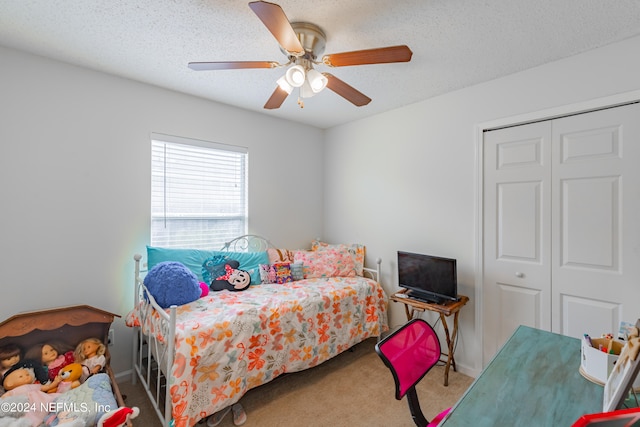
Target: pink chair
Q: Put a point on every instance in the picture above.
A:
(410, 352)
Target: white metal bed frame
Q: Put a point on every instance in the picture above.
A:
(152, 359)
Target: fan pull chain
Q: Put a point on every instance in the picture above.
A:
(300, 102)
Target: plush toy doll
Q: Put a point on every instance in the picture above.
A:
(22, 380)
(119, 417)
(90, 353)
(233, 279)
(54, 356)
(69, 378)
(27, 372)
(172, 283)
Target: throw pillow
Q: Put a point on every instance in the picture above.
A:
(282, 272)
(194, 258)
(297, 270)
(171, 283)
(279, 255)
(325, 263)
(267, 274)
(356, 250)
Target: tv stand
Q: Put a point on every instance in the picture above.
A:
(413, 305)
(437, 301)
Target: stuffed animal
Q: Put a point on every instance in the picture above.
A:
(27, 372)
(21, 380)
(233, 279)
(172, 283)
(119, 417)
(70, 378)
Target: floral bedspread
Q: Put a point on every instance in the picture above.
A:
(230, 342)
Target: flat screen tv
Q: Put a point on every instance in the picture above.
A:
(428, 277)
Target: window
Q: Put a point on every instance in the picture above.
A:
(198, 192)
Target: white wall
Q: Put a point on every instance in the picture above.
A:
(407, 179)
(75, 181)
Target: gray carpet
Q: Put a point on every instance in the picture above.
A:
(352, 389)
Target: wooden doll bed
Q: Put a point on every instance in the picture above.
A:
(69, 325)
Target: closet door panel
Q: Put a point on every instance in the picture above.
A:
(517, 232)
(595, 315)
(589, 223)
(519, 221)
(596, 207)
(517, 305)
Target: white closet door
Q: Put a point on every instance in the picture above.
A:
(562, 225)
(517, 232)
(596, 221)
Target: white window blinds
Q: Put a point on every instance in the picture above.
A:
(198, 193)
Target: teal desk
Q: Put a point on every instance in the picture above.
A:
(532, 381)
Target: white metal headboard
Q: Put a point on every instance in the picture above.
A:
(248, 243)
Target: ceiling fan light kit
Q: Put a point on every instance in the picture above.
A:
(295, 75)
(284, 85)
(316, 80)
(302, 43)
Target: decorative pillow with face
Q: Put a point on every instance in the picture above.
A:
(233, 280)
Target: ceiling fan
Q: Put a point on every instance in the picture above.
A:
(303, 43)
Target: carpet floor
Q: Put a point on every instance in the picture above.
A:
(352, 389)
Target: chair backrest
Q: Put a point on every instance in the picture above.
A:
(409, 352)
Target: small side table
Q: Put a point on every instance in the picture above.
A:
(411, 306)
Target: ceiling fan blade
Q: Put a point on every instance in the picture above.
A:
(231, 65)
(380, 55)
(277, 98)
(349, 93)
(274, 18)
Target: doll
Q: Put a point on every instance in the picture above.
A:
(90, 354)
(53, 356)
(26, 378)
(10, 354)
(28, 372)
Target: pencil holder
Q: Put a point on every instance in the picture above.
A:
(597, 360)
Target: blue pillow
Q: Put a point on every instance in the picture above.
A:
(171, 283)
(194, 258)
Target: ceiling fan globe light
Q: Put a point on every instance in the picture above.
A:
(316, 80)
(295, 76)
(306, 91)
(284, 85)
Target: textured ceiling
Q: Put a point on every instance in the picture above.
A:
(455, 43)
